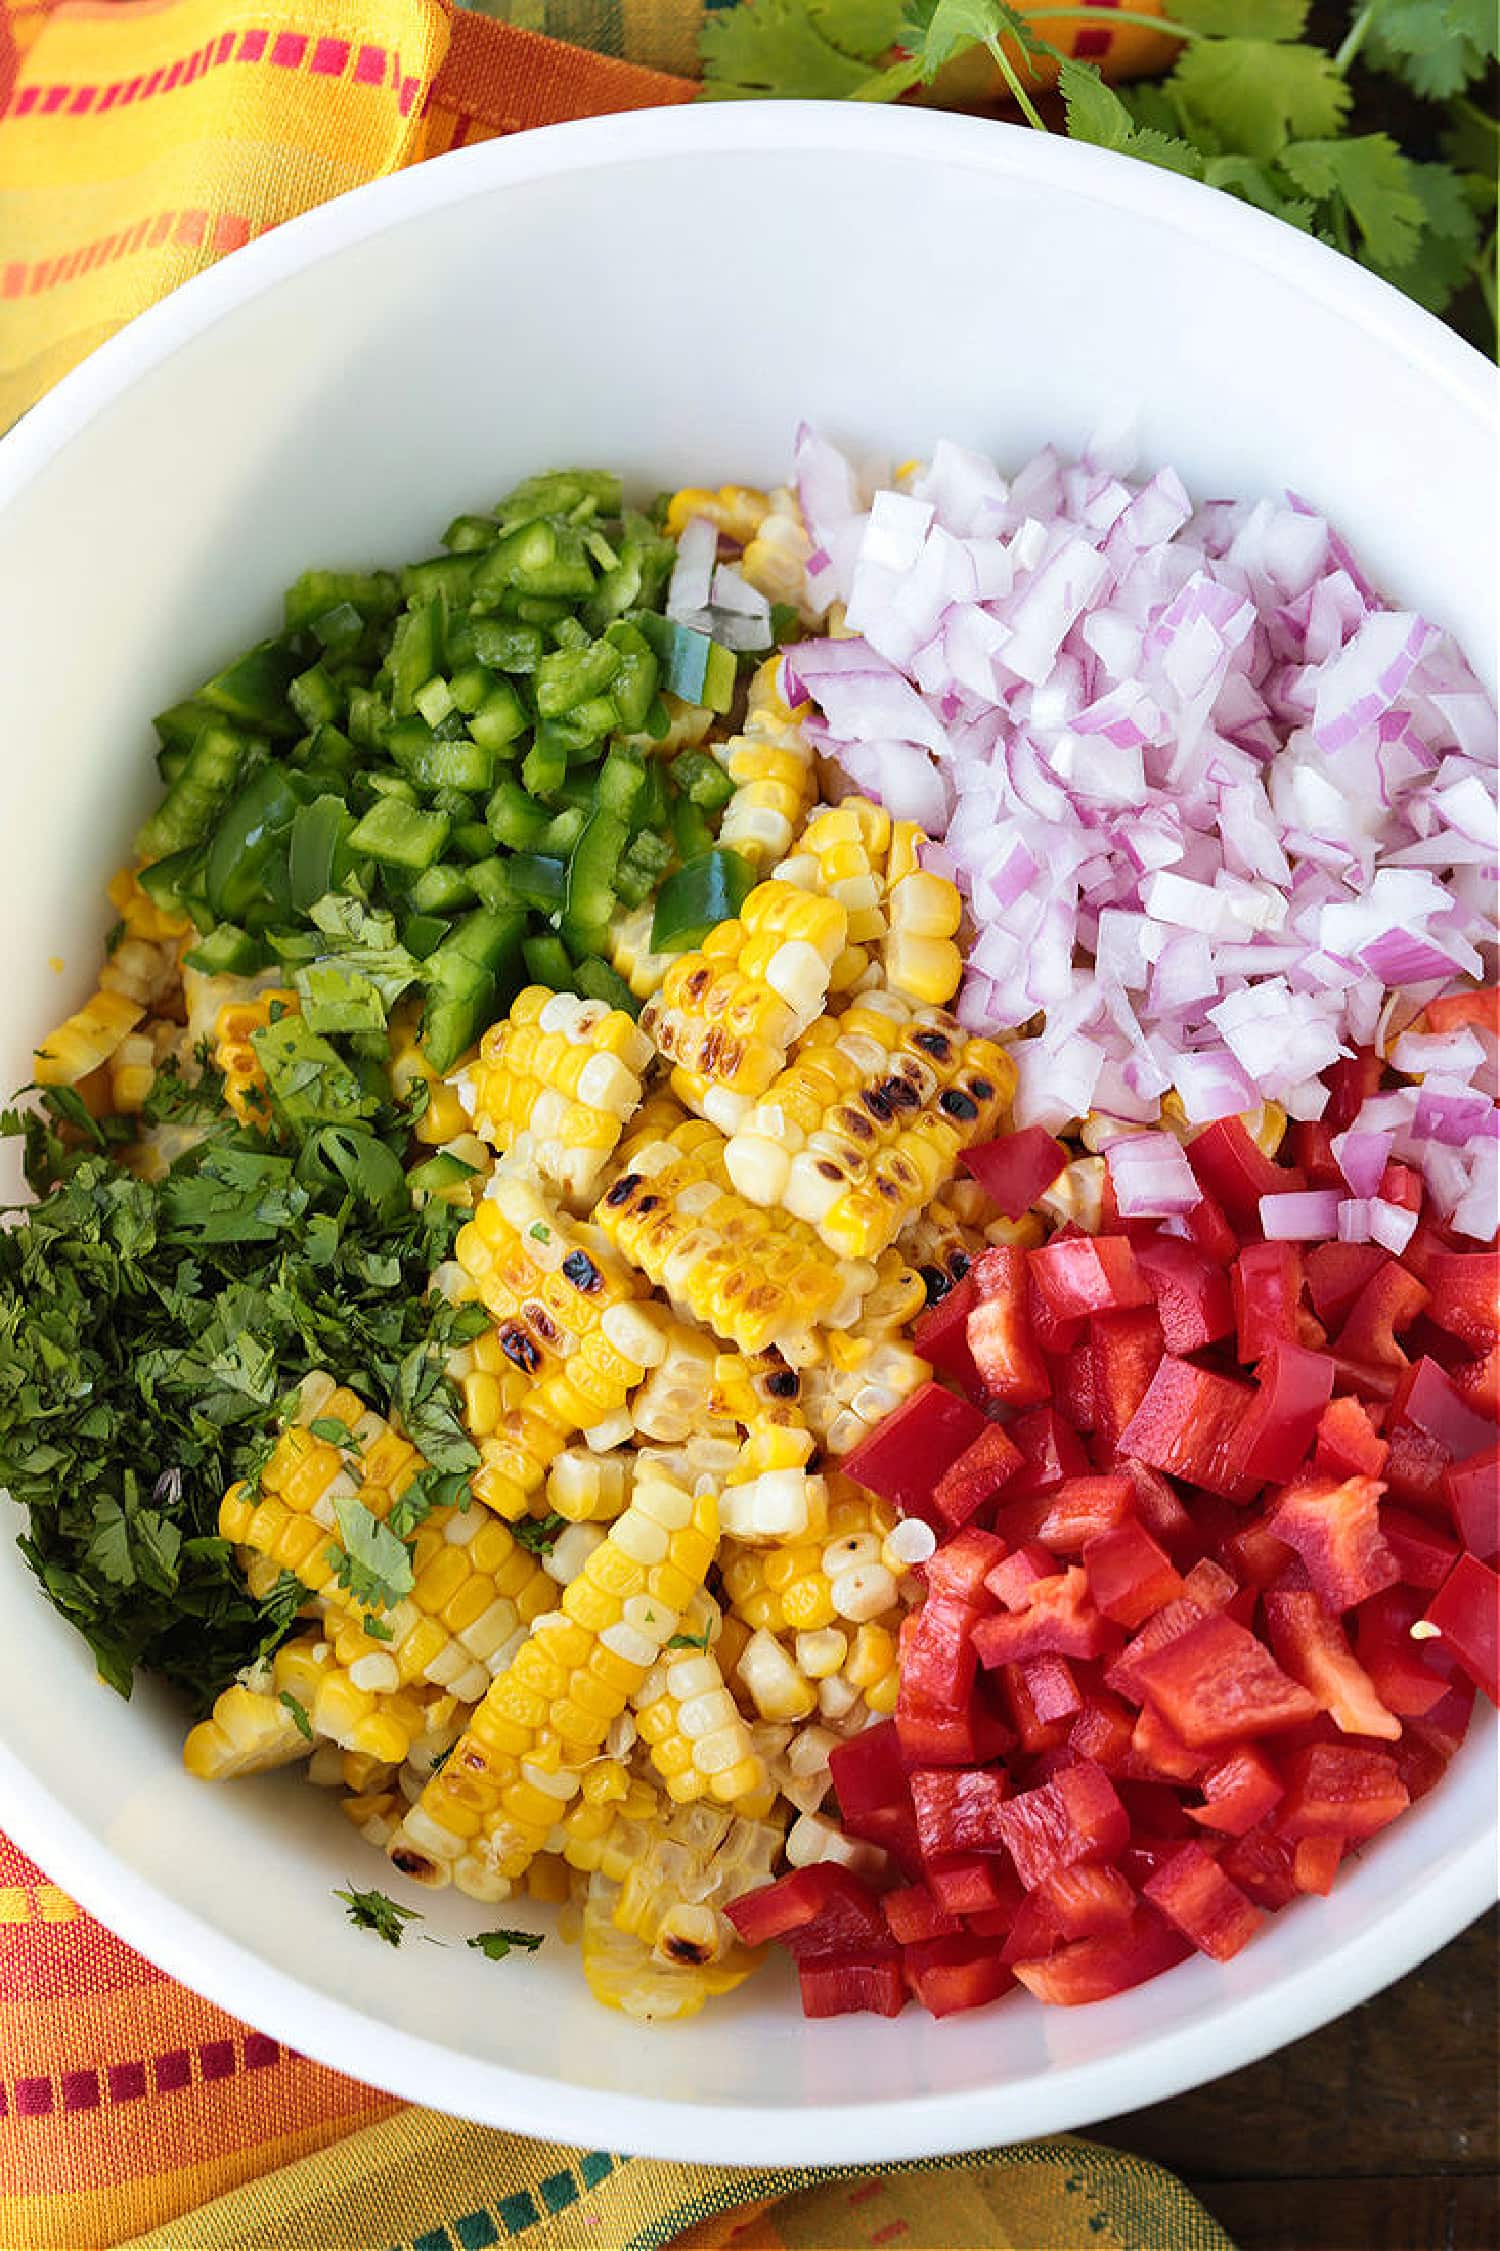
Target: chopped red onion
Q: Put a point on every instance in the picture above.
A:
(1152, 1177)
(1304, 1215)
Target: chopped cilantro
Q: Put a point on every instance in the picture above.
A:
(372, 1911)
(538, 1533)
(701, 1641)
(539, 1231)
(329, 1428)
(377, 1629)
(298, 1711)
(373, 1565)
(495, 1945)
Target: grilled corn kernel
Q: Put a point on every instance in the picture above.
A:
(555, 1083)
(235, 1056)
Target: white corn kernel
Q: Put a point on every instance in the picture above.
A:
(571, 1551)
(821, 1652)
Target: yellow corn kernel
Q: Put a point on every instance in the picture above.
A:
(136, 908)
(555, 1083)
(736, 510)
(251, 1729)
(85, 1040)
(234, 1052)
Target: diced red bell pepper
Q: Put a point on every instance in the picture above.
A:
(937, 1652)
(967, 1484)
(1350, 1083)
(958, 1811)
(1428, 1427)
(1129, 1575)
(1335, 1528)
(938, 1735)
(1125, 1351)
(838, 1985)
(1266, 1284)
(1427, 1745)
(1186, 1423)
(1158, 1753)
(1236, 1172)
(1465, 1288)
(1193, 1301)
(1294, 1387)
(1085, 1900)
(1058, 1620)
(868, 1771)
(913, 1914)
(1337, 1272)
(1159, 1508)
(818, 1910)
(1423, 1550)
(1012, 1578)
(960, 1566)
(1073, 1386)
(973, 1883)
(941, 1335)
(1315, 1863)
(949, 1974)
(1076, 1816)
(1018, 1168)
(1092, 1969)
(1348, 1443)
(1082, 1507)
(1400, 1186)
(1050, 1450)
(1048, 1689)
(1311, 1142)
(1123, 1675)
(1206, 1228)
(1056, 1337)
(1000, 1338)
(1466, 1612)
(1472, 1491)
(1216, 1683)
(1258, 1557)
(1312, 1646)
(1102, 1731)
(1478, 1005)
(1389, 1302)
(1157, 1818)
(1192, 1891)
(1339, 1790)
(1034, 1734)
(1211, 1586)
(905, 1454)
(1239, 1790)
(1088, 1274)
(1410, 1677)
(1477, 1383)
(1261, 1864)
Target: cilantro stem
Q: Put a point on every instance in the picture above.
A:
(1166, 25)
(1023, 100)
(1354, 38)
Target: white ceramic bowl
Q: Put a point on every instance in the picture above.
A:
(667, 293)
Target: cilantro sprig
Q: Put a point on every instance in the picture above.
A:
(495, 1945)
(374, 1911)
(1249, 106)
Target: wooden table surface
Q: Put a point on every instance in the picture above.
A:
(1378, 2133)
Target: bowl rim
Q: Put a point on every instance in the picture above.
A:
(426, 2071)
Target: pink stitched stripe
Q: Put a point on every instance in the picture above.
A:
(37, 2096)
(329, 57)
(289, 49)
(369, 68)
(253, 45)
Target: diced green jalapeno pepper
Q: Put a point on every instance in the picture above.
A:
(499, 718)
(690, 830)
(320, 857)
(399, 835)
(589, 897)
(539, 879)
(559, 492)
(375, 594)
(199, 794)
(226, 951)
(506, 646)
(545, 765)
(702, 779)
(596, 980)
(452, 576)
(547, 962)
(645, 862)
(416, 652)
(474, 972)
(433, 765)
(707, 891)
(516, 820)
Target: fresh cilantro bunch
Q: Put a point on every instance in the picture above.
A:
(1250, 106)
(150, 1332)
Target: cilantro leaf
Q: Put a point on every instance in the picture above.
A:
(820, 49)
(1096, 114)
(1242, 19)
(298, 1711)
(538, 1533)
(309, 1082)
(1437, 46)
(1370, 179)
(373, 1564)
(1254, 96)
(1445, 257)
(495, 1945)
(1260, 184)
(701, 1641)
(373, 1911)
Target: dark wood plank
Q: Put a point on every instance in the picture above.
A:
(1380, 2132)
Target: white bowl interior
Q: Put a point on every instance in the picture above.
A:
(668, 294)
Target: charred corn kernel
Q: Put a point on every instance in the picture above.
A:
(868, 1120)
(589, 1488)
(624, 1973)
(735, 510)
(235, 1056)
(727, 1013)
(85, 1040)
(492, 1806)
(1077, 1194)
(567, 1315)
(692, 1728)
(767, 1495)
(924, 911)
(755, 1278)
(676, 1398)
(630, 952)
(856, 1385)
(142, 917)
(555, 1083)
(940, 1245)
(696, 1858)
(608, 1835)
(776, 1688)
(775, 561)
(251, 1728)
(444, 1115)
